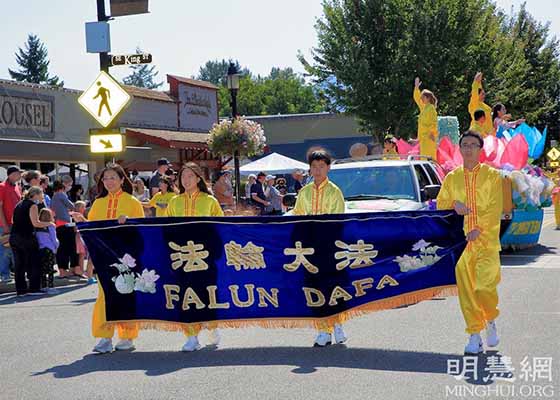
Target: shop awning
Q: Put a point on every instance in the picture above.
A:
(31, 150)
(170, 139)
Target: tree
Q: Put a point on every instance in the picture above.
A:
(34, 64)
(216, 71)
(142, 75)
(370, 51)
(281, 92)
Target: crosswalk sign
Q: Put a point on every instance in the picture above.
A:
(104, 99)
(553, 154)
(106, 143)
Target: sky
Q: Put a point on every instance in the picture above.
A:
(182, 34)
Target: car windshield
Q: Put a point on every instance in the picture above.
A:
(392, 182)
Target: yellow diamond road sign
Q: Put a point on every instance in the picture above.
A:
(104, 99)
(553, 154)
(106, 143)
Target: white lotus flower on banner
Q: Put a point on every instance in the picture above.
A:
(146, 282)
(128, 281)
(124, 283)
(427, 256)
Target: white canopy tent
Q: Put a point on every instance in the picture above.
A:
(273, 164)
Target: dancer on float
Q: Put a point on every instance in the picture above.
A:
(427, 120)
(478, 96)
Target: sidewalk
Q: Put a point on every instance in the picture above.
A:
(58, 282)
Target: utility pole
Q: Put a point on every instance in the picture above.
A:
(104, 59)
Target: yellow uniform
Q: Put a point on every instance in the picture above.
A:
(160, 202)
(478, 128)
(313, 200)
(200, 204)
(112, 206)
(427, 126)
(476, 104)
(478, 269)
(325, 199)
(556, 201)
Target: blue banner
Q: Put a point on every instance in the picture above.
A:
(272, 271)
(524, 229)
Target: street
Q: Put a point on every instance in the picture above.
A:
(397, 354)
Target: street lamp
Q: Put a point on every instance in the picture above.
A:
(233, 86)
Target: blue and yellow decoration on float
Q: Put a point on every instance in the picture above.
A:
(166, 273)
(524, 229)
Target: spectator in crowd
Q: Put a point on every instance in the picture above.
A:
(80, 216)
(31, 178)
(92, 192)
(257, 193)
(44, 184)
(67, 255)
(162, 167)
(251, 180)
(298, 176)
(48, 244)
(273, 197)
(162, 198)
(24, 243)
(223, 190)
(10, 195)
(140, 191)
(76, 193)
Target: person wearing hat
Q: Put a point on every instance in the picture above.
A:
(273, 197)
(257, 193)
(223, 190)
(163, 165)
(298, 176)
(10, 195)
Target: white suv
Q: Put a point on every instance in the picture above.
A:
(387, 183)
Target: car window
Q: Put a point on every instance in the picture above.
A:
(396, 182)
(421, 175)
(433, 175)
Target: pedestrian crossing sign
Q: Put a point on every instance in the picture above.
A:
(553, 154)
(104, 99)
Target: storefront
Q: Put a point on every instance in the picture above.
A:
(44, 128)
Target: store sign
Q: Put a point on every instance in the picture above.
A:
(199, 108)
(26, 113)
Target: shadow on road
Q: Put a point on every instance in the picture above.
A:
(11, 298)
(304, 359)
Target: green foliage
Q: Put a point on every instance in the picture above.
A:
(34, 64)
(142, 75)
(281, 92)
(370, 51)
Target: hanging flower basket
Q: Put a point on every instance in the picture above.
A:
(241, 135)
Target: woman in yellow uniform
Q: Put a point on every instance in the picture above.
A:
(427, 120)
(194, 200)
(478, 95)
(161, 199)
(115, 201)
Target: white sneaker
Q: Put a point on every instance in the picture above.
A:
(323, 339)
(339, 335)
(104, 346)
(214, 337)
(474, 346)
(492, 339)
(191, 344)
(125, 344)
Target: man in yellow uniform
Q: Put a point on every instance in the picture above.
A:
(321, 197)
(478, 123)
(478, 95)
(475, 191)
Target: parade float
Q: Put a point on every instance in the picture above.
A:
(527, 190)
